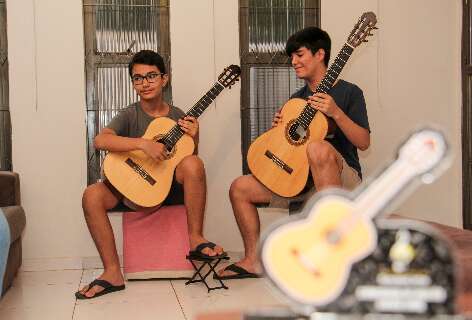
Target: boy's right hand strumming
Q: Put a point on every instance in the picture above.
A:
(155, 150)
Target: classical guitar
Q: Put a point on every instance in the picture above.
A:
(146, 182)
(278, 158)
(309, 259)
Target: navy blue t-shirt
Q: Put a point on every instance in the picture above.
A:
(350, 99)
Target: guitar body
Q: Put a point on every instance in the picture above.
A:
(138, 177)
(305, 264)
(291, 180)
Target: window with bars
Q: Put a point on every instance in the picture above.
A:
(467, 114)
(114, 30)
(5, 125)
(267, 77)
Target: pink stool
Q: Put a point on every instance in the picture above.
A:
(155, 245)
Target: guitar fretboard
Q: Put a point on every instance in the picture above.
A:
(171, 138)
(326, 84)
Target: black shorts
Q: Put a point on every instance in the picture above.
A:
(175, 196)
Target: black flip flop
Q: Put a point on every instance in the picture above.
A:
(240, 273)
(198, 254)
(107, 288)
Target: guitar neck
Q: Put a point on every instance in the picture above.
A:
(423, 152)
(326, 83)
(384, 188)
(205, 101)
(335, 69)
(171, 138)
(378, 194)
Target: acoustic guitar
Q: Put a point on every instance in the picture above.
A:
(278, 158)
(309, 259)
(146, 182)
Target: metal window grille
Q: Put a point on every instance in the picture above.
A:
(467, 114)
(267, 77)
(5, 124)
(114, 30)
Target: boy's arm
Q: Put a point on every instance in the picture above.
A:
(357, 135)
(108, 140)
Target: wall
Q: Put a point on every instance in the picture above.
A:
(408, 77)
(410, 74)
(48, 123)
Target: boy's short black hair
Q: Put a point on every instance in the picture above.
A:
(312, 38)
(148, 57)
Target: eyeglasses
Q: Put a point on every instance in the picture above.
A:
(150, 77)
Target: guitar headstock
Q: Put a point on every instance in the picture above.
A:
(229, 75)
(362, 29)
(424, 151)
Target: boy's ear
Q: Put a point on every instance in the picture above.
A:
(165, 78)
(320, 54)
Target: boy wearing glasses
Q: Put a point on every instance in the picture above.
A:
(123, 133)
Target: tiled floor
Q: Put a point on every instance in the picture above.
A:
(50, 295)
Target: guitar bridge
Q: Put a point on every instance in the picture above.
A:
(278, 162)
(306, 263)
(139, 170)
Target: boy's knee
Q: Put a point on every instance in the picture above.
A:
(321, 153)
(94, 195)
(240, 188)
(192, 165)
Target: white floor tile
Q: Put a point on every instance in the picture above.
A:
(42, 294)
(140, 300)
(243, 294)
(50, 295)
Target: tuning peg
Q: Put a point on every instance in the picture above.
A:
(375, 28)
(365, 40)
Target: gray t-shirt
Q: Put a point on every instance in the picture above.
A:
(132, 121)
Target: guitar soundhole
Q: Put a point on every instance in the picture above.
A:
(333, 237)
(295, 133)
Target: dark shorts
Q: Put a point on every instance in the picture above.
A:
(175, 196)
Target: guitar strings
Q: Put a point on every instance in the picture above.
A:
(308, 113)
(176, 132)
(326, 84)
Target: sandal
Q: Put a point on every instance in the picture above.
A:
(107, 288)
(198, 254)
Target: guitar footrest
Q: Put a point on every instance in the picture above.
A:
(155, 245)
(211, 263)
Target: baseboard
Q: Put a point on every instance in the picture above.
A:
(81, 263)
(69, 263)
(51, 264)
(159, 274)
